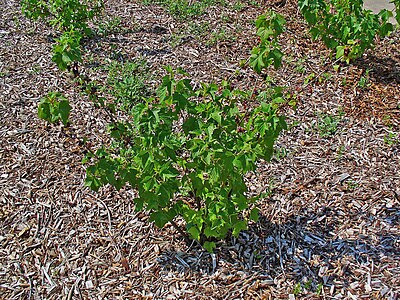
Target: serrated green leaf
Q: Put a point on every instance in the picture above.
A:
(194, 233)
(160, 218)
(209, 246)
(254, 214)
(64, 110)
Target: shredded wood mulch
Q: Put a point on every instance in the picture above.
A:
(330, 227)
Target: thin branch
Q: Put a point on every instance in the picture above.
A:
(185, 236)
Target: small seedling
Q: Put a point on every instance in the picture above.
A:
(54, 108)
(309, 78)
(297, 289)
(364, 80)
(391, 139)
(351, 185)
(319, 289)
(327, 125)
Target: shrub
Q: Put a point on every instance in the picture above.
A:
(186, 152)
(345, 26)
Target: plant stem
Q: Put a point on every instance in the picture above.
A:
(181, 232)
(198, 203)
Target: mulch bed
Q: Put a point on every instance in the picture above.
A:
(329, 229)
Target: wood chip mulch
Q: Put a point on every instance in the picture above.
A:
(330, 227)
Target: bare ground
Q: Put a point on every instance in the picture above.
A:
(331, 224)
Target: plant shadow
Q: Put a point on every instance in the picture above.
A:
(384, 70)
(303, 247)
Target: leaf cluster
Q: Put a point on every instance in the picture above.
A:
(71, 17)
(186, 152)
(267, 53)
(67, 49)
(345, 26)
(63, 15)
(54, 108)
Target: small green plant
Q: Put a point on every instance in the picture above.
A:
(391, 139)
(220, 36)
(67, 50)
(109, 26)
(297, 289)
(184, 9)
(300, 67)
(238, 5)
(345, 26)
(71, 17)
(186, 152)
(309, 78)
(363, 82)
(320, 288)
(196, 30)
(324, 77)
(351, 184)
(268, 52)
(308, 284)
(340, 152)
(327, 124)
(280, 153)
(127, 83)
(54, 108)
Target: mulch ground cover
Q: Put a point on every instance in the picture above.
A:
(329, 228)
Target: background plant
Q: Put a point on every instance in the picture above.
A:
(54, 108)
(127, 83)
(267, 53)
(345, 26)
(184, 9)
(327, 124)
(71, 18)
(64, 15)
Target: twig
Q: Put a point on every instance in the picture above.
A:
(180, 231)
(280, 251)
(108, 216)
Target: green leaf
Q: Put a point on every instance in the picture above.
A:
(238, 227)
(64, 109)
(254, 214)
(339, 51)
(194, 233)
(209, 246)
(208, 232)
(160, 218)
(44, 110)
(276, 55)
(191, 124)
(217, 117)
(94, 184)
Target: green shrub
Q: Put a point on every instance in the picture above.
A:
(64, 15)
(269, 27)
(71, 17)
(345, 26)
(186, 152)
(54, 108)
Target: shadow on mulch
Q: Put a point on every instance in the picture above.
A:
(383, 70)
(303, 247)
